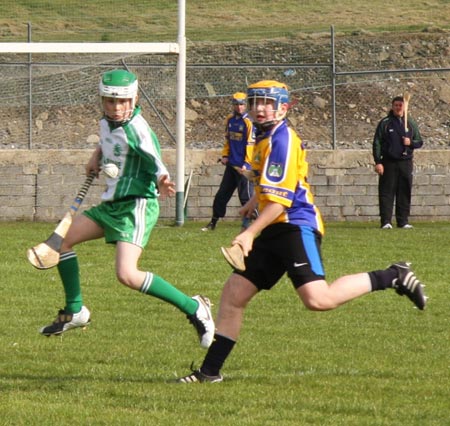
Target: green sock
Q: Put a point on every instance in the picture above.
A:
(70, 276)
(158, 287)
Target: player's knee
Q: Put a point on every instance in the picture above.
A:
(125, 277)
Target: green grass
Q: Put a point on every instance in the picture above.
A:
(374, 361)
(216, 20)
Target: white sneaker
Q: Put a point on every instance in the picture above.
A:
(203, 321)
(387, 226)
(66, 321)
(407, 226)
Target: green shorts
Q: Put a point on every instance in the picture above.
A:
(130, 220)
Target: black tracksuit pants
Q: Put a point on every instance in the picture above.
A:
(231, 181)
(395, 185)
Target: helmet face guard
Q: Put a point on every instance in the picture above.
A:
(119, 84)
(269, 90)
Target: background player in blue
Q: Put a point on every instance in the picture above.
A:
(236, 156)
(286, 236)
(128, 212)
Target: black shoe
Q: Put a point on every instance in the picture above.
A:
(198, 377)
(210, 227)
(65, 321)
(408, 284)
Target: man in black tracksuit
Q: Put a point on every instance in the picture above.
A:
(393, 150)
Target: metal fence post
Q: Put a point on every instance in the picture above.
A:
(30, 92)
(333, 90)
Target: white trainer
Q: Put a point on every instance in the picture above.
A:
(67, 321)
(203, 321)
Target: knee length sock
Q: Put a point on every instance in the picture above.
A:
(217, 354)
(154, 285)
(70, 276)
(382, 279)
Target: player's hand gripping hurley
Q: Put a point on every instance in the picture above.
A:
(46, 254)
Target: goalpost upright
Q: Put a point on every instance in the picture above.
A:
(178, 48)
(181, 111)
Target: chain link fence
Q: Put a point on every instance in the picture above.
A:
(341, 86)
(371, 70)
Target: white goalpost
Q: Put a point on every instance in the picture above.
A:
(44, 47)
(177, 48)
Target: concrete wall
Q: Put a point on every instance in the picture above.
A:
(41, 184)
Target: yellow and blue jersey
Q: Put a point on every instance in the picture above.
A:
(239, 140)
(281, 172)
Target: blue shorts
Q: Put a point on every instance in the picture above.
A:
(283, 247)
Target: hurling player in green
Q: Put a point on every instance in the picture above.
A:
(128, 212)
(286, 236)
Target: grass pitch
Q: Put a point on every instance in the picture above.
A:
(374, 361)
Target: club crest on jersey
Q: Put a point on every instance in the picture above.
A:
(275, 170)
(117, 150)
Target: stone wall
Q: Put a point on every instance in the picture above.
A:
(41, 185)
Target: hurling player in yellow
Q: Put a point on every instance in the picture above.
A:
(286, 236)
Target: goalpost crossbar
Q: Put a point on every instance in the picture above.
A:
(44, 47)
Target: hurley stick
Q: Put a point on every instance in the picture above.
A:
(46, 255)
(406, 98)
(234, 256)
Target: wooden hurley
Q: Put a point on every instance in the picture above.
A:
(406, 99)
(234, 256)
(46, 255)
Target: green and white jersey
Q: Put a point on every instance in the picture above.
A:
(134, 148)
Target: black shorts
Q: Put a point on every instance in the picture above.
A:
(281, 248)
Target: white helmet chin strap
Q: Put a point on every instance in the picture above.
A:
(280, 114)
(126, 114)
